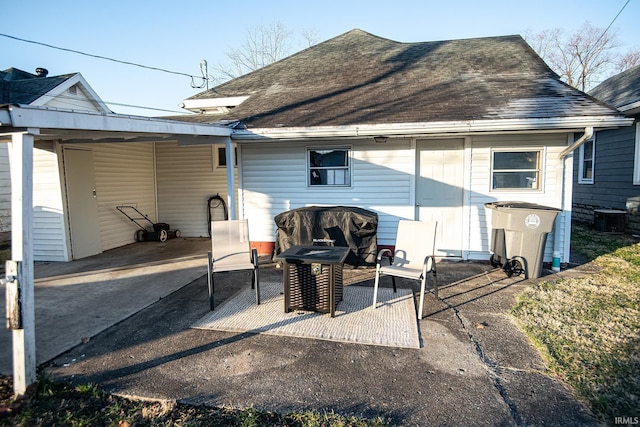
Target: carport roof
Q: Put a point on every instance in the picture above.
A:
(361, 79)
(71, 126)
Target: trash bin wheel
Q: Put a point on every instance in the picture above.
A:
(494, 262)
(162, 236)
(139, 236)
(177, 233)
(513, 267)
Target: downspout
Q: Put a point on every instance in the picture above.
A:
(588, 134)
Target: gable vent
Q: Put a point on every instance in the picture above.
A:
(73, 90)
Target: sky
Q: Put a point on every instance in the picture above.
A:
(177, 35)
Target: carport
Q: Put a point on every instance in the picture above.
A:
(24, 126)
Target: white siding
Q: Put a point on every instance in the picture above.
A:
(274, 180)
(124, 174)
(5, 189)
(187, 177)
(49, 231)
(76, 100)
(480, 191)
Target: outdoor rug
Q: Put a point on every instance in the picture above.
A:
(392, 324)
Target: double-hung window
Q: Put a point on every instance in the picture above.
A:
(516, 169)
(587, 161)
(329, 167)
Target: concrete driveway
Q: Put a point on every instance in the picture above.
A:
(136, 304)
(77, 300)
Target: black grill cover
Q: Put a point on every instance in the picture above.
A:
(348, 226)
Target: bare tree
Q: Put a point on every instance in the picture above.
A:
(628, 60)
(582, 59)
(262, 45)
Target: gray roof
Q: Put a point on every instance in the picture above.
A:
(21, 87)
(359, 78)
(621, 89)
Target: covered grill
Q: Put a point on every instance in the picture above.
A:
(347, 226)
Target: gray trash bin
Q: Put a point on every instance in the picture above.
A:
(518, 236)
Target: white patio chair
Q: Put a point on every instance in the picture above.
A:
(230, 251)
(413, 258)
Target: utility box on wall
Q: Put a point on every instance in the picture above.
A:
(609, 220)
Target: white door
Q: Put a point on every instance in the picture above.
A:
(82, 203)
(440, 192)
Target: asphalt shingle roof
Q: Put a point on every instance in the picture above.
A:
(621, 89)
(20, 87)
(360, 78)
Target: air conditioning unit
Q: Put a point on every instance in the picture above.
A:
(609, 220)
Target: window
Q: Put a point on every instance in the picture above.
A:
(516, 170)
(587, 162)
(329, 167)
(221, 154)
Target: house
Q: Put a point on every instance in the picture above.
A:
(88, 160)
(429, 131)
(607, 167)
(21, 87)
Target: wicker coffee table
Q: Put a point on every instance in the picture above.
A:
(312, 277)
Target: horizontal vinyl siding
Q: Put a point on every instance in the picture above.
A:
(49, 232)
(275, 181)
(5, 189)
(613, 174)
(187, 177)
(124, 174)
(480, 191)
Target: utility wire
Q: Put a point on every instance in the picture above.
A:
(70, 100)
(612, 21)
(104, 57)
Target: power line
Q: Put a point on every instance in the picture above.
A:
(612, 21)
(204, 78)
(71, 101)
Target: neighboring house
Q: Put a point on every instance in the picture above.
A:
(607, 168)
(428, 131)
(88, 160)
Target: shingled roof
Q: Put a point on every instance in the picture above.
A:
(620, 90)
(21, 87)
(359, 78)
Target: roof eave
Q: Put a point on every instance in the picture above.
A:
(21, 116)
(434, 128)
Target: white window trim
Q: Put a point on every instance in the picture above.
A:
(591, 180)
(636, 158)
(331, 147)
(540, 189)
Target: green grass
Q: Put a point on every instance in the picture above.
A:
(588, 327)
(60, 404)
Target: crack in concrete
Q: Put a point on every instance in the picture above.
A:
(491, 366)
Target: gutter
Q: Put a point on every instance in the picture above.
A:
(588, 134)
(432, 128)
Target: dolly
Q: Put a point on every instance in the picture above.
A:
(160, 231)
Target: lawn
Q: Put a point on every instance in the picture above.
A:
(588, 327)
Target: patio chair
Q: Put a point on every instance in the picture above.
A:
(230, 251)
(413, 258)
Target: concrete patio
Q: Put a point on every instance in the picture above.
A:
(122, 320)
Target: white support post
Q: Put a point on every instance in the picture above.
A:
(24, 339)
(231, 188)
